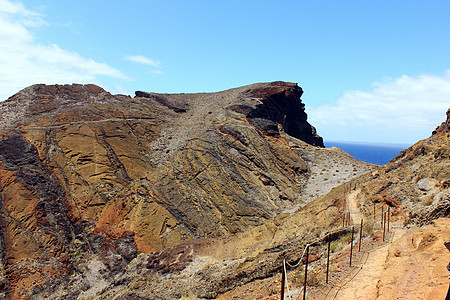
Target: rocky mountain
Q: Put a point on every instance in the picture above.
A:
(169, 196)
(88, 180)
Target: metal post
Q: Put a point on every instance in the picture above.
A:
(306, 272)
(389, 217)
(328, 256)
(360, 235)
(283, 279)
(351, 247)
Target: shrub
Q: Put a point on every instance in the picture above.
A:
(297, 277)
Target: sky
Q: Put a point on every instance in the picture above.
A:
(371, 71)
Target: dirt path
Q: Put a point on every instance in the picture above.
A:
(416, 268)
(352, 205)
(364, 284)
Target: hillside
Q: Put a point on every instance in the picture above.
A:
(169, 196)
(89, 180)
(411, 264)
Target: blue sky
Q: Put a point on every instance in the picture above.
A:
(372, 71)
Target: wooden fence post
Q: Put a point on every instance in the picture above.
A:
(351, 246)
(306, 272)
(389, 217)
(360, 235)
(283, 280)
(328, 256)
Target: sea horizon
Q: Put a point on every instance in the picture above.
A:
(371, 152)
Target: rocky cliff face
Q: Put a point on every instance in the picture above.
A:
(84, 172)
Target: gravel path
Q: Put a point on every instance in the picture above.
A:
(352, 203)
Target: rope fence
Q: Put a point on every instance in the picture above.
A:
(383, 216)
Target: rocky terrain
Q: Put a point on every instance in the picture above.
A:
(170, 196)
(96, 186)
(411, 264)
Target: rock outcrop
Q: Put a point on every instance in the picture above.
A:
(84, 173)
(444, 127)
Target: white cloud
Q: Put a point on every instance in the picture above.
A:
(140, 59)
(23, 61)
(143, 60)
(15, 8)
(399, 110)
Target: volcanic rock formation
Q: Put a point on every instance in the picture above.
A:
(84, 172)
(162, 196)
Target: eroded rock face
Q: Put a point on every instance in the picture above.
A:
(82, 171)
(282, 106)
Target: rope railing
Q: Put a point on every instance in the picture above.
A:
(365, 210)
(299, 261)
(385, 218)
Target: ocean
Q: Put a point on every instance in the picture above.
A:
(378, 154)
